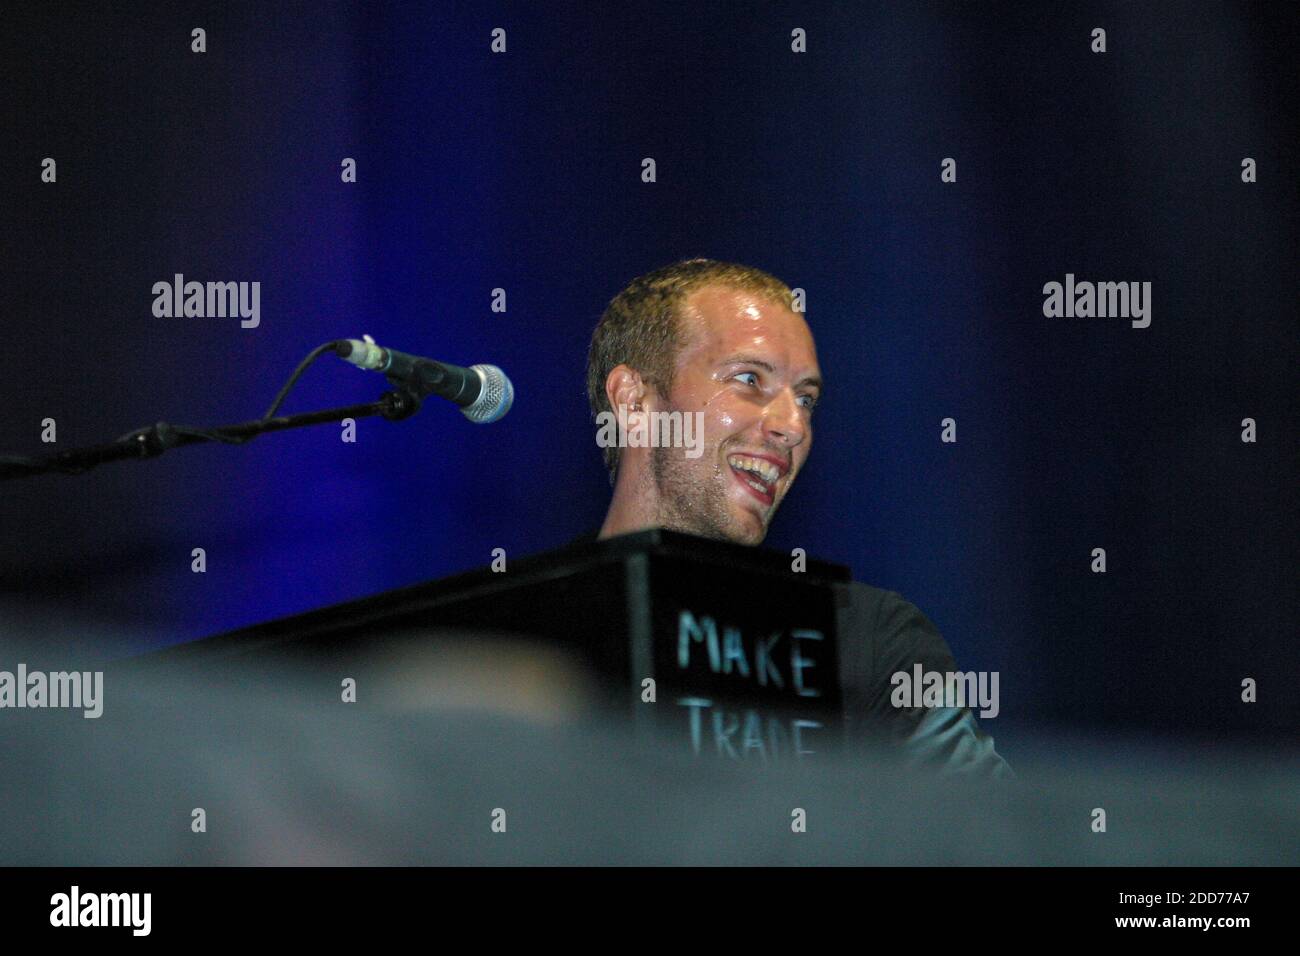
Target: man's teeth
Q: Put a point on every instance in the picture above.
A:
(765, 470)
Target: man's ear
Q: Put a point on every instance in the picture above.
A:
(630, 398)
(624, 387)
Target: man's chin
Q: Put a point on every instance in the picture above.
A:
(743, 529)
(747, 528)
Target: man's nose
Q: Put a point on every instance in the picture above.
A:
(783, 419)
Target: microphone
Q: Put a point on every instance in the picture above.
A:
(483, 392)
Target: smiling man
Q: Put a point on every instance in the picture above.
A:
(723, 343)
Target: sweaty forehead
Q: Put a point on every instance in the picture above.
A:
(723, 321)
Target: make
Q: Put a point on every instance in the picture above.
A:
(731, 653)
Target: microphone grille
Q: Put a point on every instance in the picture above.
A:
(495, 397)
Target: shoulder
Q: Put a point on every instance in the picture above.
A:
(895, 626)
(881, 604)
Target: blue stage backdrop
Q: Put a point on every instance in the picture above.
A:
(522, 171)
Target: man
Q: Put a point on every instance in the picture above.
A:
(721, 343)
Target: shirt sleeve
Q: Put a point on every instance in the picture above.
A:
(885, 635)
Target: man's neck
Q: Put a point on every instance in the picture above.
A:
(621, 520)
(631, 509)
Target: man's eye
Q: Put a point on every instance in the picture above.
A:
(811, 402)
(754, 375)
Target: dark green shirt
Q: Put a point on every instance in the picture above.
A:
(882, 634)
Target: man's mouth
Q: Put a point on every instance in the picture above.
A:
(758, 476)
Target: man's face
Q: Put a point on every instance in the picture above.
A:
(750, 366)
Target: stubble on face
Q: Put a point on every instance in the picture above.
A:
(695, 502)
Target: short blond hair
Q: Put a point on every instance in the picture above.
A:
(642, 325)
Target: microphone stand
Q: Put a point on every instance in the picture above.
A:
(152, 441)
